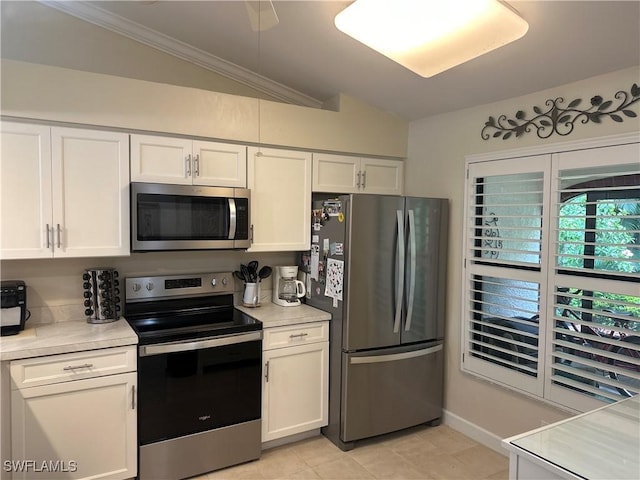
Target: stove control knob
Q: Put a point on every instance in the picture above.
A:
(135, 287)
(225, 281)
(149, 286)
(214, 281)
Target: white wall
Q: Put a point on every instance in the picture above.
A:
(435, 167)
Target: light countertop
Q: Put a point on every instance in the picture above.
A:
(78, 335)
(66, 337)
(601, 444)
(272, 315)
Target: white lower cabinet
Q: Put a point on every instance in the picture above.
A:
(78, 424)
(296, 379)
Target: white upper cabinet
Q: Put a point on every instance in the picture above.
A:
(280, 184)
(68, 189)
(191, 162)
(347, 174)
(25, 191)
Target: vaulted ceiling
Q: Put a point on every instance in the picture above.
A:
(304, 59)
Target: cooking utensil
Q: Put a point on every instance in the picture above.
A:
(239, 275)
(253, 270)
(264, 272)
(245, 273)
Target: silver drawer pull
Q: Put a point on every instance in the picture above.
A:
(74, 367)
(298, 335)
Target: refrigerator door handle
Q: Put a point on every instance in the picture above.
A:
(401, 261)
(412, 275)
(395, 356)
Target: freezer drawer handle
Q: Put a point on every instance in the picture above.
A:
(395, 356)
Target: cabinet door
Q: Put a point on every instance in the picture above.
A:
(335, 173)
(280, 183)
(295, 390)
(219, 164)
(90, 172)
(25, 191)
(161, 159)
(86, 427)
(380, 176)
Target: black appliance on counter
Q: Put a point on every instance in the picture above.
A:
(199, 375)
(13, 298)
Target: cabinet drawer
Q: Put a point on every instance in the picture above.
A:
(295, 335)
(72, 366)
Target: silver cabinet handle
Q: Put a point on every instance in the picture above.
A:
(133, 397)
(187, 166)
(196, 165)
(400, 286)
(48, 237)
(266, 372)
(364, 180)
(58, 231)
(75, 367)
(298, 335)
(358, 182)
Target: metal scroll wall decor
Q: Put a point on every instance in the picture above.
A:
(560, 119)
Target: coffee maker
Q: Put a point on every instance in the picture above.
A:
(287, 289)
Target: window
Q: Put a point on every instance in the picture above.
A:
(552, 269)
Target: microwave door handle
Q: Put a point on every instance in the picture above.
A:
(232, 218)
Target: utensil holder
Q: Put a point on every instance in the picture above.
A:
(251, 295)
(101, 295)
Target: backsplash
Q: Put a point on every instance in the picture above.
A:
(54, 286)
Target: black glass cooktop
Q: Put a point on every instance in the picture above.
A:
(187, 318)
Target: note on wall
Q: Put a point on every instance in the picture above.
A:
(335, 279)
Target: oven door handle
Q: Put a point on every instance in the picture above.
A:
(149, 350)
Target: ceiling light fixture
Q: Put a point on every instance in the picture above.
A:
(429, 37)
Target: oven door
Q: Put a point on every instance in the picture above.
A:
(184, 217)
(195, 386)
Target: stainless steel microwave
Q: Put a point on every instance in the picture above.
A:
(188, 217)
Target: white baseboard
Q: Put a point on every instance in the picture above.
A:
(474, 432)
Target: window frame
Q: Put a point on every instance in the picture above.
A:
(521, 160)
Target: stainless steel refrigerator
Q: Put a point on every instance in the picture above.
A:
(377, 264)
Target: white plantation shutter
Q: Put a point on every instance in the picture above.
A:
(595, 338)
(596, 199)
(504, 252)
(552, 274)
(595, 350)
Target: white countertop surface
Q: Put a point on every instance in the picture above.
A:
(66, 337)
(78, 335)
(601, 444)
(272, 315)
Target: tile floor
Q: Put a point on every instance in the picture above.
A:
(421, 453)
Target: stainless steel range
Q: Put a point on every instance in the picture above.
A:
(199, 375)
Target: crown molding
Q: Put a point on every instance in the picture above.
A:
(140, 33)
